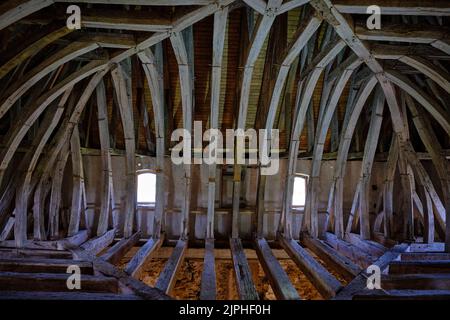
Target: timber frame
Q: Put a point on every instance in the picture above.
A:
(310, 68)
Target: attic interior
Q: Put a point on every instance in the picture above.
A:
(87, 176)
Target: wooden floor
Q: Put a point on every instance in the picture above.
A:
(41, 271)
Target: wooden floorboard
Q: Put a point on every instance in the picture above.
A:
(278, 278)
(323, 280)
(244, 282)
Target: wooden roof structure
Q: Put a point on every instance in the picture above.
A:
(139, 69)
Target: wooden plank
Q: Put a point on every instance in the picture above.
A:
(368, 246)
(359, 283)
(84, 296)
(117, 251)
(245, 286)
(388, 7)
(416, 282)
(28, 265)
(325, 282)
(33, 253)
(99, 243)
(414, 266)
(208, 282)
(338, 262)
(123, 278)
(427, 256)
(357, 255)
(167, 277)
(137, 262)
(419, 295)
(278, 278)
(14, 281)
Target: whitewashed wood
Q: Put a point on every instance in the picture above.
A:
(311, 207)
(123, 94)
(305, 91)
(415, 7)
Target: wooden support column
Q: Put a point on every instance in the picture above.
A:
(367, 163)
(431, 143)
(123, 98)
(78, 192)
(107, 190)
(305, 91)
(152, 69)
(311, 219)
(179, 48)
(350, 121)
(262, 28)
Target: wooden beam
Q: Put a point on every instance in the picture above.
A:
(42, 265)
(278, 278)
(360, 282)
(311, 218)
(325, 282)
(98, 244)
(107, 189)
(7, 229)
(167, 277)
(208, 282)
(424, 256)
(245, 286)
(15, 281)
(416, 282)
(136, 263)
(78, 205)
(123, 92)
(31, 78)
(349, 126)
(304, 96)
(414, 7)
(413, 267)
(410, 295)
(118, 250)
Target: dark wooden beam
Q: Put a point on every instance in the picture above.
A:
(167, 277)
(325, 282)
(245, 286)
(412, 267)
(137, 262)
(208, 283)
(278, 278)
(117, 251)
(338, 262)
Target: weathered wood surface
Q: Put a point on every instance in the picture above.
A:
(418, 295)
(245, 286)
(330, 256)
(208, 282)
(167, 277)
(359, 283)
(54, 282)
(118, 250)
(415, 266)
(416, 282)
(27, 265)
(84, 296)
(99, 243)
(278, 278)
(325, 282)
(137, 262)
(426, 256)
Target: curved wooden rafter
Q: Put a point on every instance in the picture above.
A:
(305, 91)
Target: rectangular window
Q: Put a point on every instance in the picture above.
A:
(299, 191)
(146, 188)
